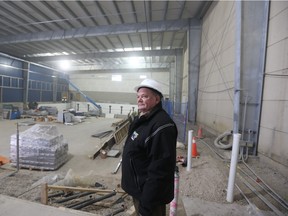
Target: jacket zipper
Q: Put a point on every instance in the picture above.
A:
(135, 175)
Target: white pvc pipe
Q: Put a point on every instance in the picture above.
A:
(174, 202)
(189, 157)
(233, 167)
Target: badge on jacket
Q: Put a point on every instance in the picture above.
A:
(134, 135)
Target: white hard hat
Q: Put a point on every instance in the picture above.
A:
(149, 83)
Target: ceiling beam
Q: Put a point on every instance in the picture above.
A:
(101, 55)
(85, 32)
(120, 71)
(125, 66)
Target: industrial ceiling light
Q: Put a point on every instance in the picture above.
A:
(64, 65)
(134, 61)
(117, 78)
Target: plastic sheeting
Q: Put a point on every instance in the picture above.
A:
(41, 147)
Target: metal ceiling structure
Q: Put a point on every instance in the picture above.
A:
(97, 35)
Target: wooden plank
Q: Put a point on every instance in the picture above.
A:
(116, 138)
(121, 133)
(44, 194)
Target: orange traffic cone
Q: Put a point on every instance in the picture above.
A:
(200, 134)
(194, 152)
(4, 160)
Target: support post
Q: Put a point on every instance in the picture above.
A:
(44, 194)
(233, 167)
(190, 135)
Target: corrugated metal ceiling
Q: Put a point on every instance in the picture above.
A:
(96, 35)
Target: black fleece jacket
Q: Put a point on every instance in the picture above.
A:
(149, 159)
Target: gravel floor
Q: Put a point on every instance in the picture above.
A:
(206, 181)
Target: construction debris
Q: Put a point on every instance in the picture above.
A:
(40, 147)
(118, 166)
(102, 134)
(117, 138)
(79, 197)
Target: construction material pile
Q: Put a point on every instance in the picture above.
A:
(40, 147)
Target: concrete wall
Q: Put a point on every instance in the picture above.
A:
(216, 78)
(102, 90)
(107, 108)
(274, 117)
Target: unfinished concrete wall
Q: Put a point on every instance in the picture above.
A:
(102, 89)
(274, 125)
(216, 78)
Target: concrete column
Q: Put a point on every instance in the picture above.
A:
(194, 46)
(172, 82)
(55, 83)
(178, 81)
(251, 39)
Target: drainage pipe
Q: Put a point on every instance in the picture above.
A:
(233, 167)
(89, 202)
(78, 195)
(190, 134)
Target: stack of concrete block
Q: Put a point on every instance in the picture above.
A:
(40, 147)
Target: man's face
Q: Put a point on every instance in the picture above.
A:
(146, 99)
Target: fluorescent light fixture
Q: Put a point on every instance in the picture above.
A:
(117, 78)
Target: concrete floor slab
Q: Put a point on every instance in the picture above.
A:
(14, 207)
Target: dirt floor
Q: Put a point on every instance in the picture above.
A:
(202, 190)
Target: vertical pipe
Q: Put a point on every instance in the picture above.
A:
(237, 72)
(174, 202)
(17, 145)
(185, 123)
(190, 134)
(233, 167)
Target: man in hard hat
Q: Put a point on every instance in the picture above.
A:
(149, 155)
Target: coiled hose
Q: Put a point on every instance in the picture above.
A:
(220, 143)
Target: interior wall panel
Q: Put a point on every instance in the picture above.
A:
(273, 126)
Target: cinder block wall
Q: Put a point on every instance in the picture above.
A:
(273, 140)
(216, 80)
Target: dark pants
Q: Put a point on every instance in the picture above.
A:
(157, 211)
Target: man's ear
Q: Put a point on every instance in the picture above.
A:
(158, 98)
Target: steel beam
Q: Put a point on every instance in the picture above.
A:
(86, 32)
